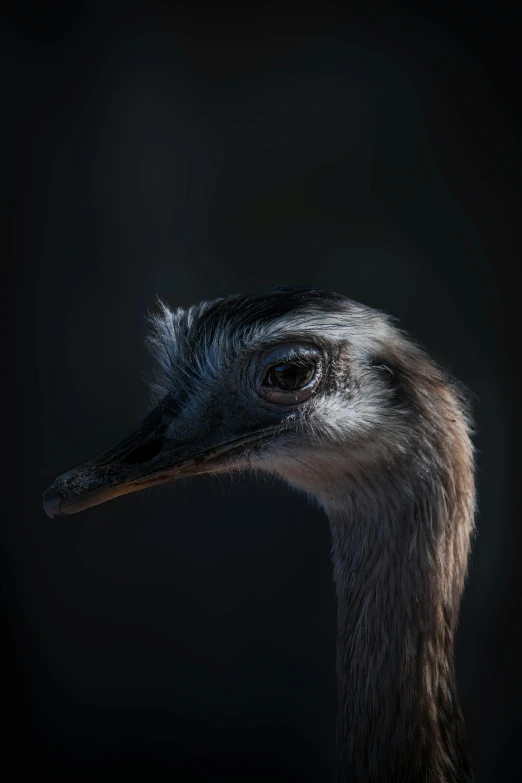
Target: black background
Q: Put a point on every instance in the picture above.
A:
(190, 631)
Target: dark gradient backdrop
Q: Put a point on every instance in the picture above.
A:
(190, 632)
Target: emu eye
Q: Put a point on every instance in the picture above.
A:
(290, 376)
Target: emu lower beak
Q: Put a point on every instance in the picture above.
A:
(143, 459)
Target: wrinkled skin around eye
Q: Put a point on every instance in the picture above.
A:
(289, 374)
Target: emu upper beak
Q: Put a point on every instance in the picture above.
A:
(143, 459)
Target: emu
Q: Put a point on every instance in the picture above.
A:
(335, 399)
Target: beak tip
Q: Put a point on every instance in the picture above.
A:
(51, 505)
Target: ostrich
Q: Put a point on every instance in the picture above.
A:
(332, 397)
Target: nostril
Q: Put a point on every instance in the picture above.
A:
(143, 453)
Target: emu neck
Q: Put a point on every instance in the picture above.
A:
(398, 573)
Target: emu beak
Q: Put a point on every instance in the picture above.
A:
(143, 459)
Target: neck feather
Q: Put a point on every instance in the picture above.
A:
(399, 552)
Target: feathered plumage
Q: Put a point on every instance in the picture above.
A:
(331, 396)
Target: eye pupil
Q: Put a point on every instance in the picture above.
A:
(290, 376)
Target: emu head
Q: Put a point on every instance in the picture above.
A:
(305, 384)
